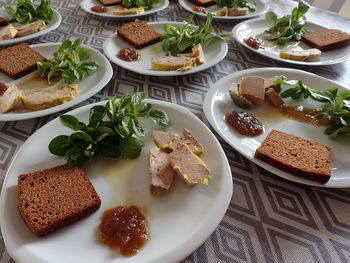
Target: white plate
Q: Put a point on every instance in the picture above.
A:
(261, 8)
(179, 222)
(87, 87)
(214, 52)
(87, 4)
(256, 27)
(217, 103)
(54, 24)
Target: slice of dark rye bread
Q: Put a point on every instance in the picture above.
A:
(19, 60)
(203, 2)
(296, 155)
(138, 34)
(52, 198)
(327, 39)
(110, 2)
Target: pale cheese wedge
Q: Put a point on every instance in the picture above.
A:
(313, 54)
(128, 11)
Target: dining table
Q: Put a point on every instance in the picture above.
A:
(269, 219)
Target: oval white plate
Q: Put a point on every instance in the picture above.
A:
(217, 103)
(87, 87)
(261, 8)
(179, 222)
(256, 27)
(54, 24)
(87, 4)
(214, 52)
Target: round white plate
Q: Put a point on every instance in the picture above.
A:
(261, 8)
(214, 52)
(54, 24)
(217, 103)
(87, 87)
(256, 27)
(87, 4)
(179, 222)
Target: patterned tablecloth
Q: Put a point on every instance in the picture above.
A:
(269, 219)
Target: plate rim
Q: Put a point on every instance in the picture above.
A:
(151, 12)
(289, 61)
(89, 93)
(278, 172)
(264, 10)
(165, 73)
(192, 242)
(37, 34)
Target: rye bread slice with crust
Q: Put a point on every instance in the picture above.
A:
(19, 60)
(327, 39)
(138, 34)
(52, 198)
(296, 155)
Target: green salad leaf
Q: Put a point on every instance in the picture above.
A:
(68, 63)
(180, 39)
(250, 4)
(336, 106)
(26, 12)
(289, 27)
(113, 131)
(146, 4)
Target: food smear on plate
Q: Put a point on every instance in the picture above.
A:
(255, 43)
(296, 155)
(310, 55)
(289, 27)
(99, 9)
(200, 9)
(175, 155)
(53, 198)
(31, 18)
(114, 130)
(244, 123)
(124, 229)
(327, 39)
(128, 54)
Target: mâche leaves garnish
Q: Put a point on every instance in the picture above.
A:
(113, 130)
(26, 12)
(180, 39)
(146, 4)
(68, 63)
(336, 106)
(250, 4)
(287, 28)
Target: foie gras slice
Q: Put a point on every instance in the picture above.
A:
(49, 97)
(274, 98)
(237, 11)
(161, 173)
(168, 63)
(252, 88)
(198, 54)
(11, 96)
(164, 140)
(8, 32)
(271, 83)
(309, 55)
(192, 142)
(31, 28)
(188, 165)
(128, 11)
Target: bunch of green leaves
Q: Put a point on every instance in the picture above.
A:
(336, 106)
(26, 12)
(146, 4)
(113, 130)
(289, 27)
(250, 4)
(180, 39)
(67, 63)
